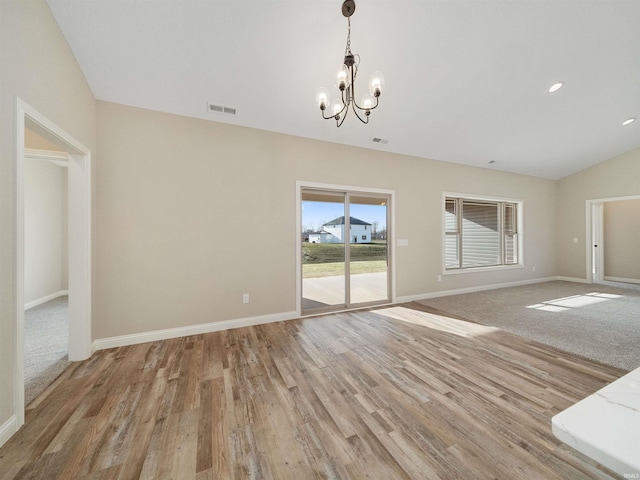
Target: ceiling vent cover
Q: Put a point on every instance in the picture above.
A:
(221, 109)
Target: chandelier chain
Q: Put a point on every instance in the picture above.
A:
(347, 50)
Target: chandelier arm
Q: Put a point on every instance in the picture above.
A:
(354, 74)
(362, 108)
(359, 117)
(332, 116)
(340, 121)
(327, 118)
(343, 109)
(345, 97)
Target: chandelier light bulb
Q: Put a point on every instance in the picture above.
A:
(376, 84)
(368, 101)
(322, 98)
(343, 78)
(336, 107)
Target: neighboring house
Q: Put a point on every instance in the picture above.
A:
(323, 237)
(333, 232)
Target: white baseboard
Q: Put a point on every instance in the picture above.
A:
(7, 429)
(572, 279)
(623, 280)
(135, 338)
(42, 300)
(480, 288)
(152, 336)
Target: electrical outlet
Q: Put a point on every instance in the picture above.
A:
(245, 298)
(534, 269)
(439, 278)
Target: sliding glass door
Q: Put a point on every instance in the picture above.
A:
(323, 250)
(368, 250)
(345, 254)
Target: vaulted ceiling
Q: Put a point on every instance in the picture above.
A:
(466, 81)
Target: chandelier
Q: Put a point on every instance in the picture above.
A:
(345, 81)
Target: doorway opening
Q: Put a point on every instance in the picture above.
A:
(78, 231)
(613, 227)
(344, 255)
(46, 290)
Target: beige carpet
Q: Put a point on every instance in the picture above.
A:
(46, 345)
(599, 322)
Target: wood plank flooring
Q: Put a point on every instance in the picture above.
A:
(389, 393)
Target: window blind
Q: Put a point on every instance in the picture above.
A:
(480, 234)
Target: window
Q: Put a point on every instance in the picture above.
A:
(480, 233)
(364, 237)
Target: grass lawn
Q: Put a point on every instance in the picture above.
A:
(315, 270)
(334, 252)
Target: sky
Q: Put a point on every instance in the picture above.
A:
(315, 214)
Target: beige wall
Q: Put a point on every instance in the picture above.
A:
(617, 177)
(45, 220)
(622, 240)
(180, 203)
(35, 141)
(37, 66)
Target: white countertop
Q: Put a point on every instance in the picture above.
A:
(605, 426)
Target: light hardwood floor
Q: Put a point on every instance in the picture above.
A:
(387, 393)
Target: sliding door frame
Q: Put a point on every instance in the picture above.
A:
(349, 189)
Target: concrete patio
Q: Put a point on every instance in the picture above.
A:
(324, 291)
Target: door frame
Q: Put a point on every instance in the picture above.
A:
(595, 233)
(79, 241)
(391, 271)
(597, 242)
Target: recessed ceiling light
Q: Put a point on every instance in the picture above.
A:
(555, 87)
(629, 120)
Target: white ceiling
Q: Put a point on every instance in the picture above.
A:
(466, 80)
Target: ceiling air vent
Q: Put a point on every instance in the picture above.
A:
(221, 109)
(380, 140)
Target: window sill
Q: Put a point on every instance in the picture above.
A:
(495, 268)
